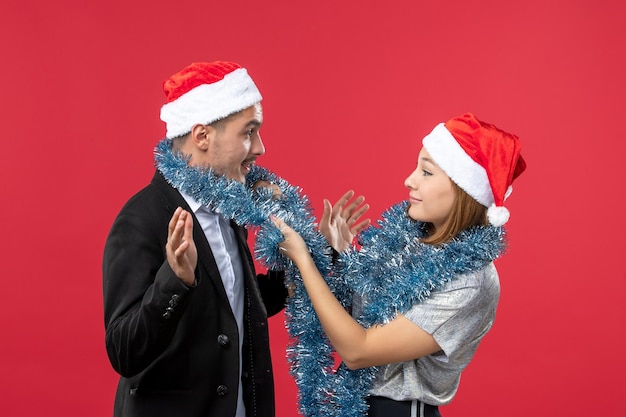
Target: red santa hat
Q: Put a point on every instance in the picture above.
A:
(480, 158)
(205, 92)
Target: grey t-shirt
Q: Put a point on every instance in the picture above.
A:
(458, 316)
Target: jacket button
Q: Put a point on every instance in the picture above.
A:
(174, 300)
(222, 390)
(168, 312)
(222, 340)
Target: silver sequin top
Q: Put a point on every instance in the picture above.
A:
(458, 317)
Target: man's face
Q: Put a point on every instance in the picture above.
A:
(235, 144)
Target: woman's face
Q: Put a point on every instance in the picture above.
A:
(431, 194)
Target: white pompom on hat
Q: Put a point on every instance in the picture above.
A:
(480, 158)
(205, 92)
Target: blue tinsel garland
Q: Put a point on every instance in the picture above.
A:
(392, 269)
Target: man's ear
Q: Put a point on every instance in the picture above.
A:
(202, 136)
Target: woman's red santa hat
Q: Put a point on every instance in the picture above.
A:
(480, 158)
(205, 92)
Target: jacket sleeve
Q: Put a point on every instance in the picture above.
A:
(273, 291)
(144, 301)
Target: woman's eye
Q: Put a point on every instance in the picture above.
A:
(426, 173)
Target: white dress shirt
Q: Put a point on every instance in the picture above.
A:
(223, 243)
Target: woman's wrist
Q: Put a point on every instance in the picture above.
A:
(304, 261)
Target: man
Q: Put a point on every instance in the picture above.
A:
(185, 314)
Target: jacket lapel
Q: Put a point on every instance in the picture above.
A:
(206, 260)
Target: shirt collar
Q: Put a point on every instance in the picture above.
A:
(193, 204)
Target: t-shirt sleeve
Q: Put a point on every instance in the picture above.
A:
(460, 313)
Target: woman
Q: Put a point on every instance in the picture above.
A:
(425, 287)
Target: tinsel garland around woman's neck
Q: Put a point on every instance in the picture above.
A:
(392, 271)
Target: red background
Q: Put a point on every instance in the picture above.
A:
(349, 87)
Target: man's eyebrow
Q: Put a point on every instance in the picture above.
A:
(254, 123)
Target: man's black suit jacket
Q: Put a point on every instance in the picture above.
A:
(176, 347)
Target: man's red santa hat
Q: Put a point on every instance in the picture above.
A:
(205, 92)
(480, 158)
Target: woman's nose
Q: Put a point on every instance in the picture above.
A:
(410, 181)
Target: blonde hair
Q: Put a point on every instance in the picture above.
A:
(466, 212)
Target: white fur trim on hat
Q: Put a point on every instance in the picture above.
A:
(458, 165)
(208, 103)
